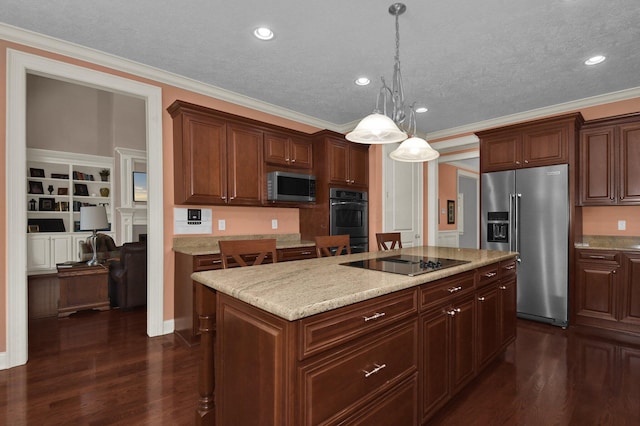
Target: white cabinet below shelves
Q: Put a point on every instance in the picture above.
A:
(45, 251)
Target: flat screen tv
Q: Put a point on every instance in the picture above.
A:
(140, 187)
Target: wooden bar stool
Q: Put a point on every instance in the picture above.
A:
(393, 238)
(325, 244)
(242, 250)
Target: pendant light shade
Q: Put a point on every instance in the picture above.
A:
(376, 128)
(414, 150)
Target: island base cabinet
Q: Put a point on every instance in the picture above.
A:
(253, 365)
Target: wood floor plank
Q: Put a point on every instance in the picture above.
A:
(102, 369)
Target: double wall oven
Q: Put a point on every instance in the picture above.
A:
(349, 214)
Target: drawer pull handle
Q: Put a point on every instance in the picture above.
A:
(596, 257)
(216, 261)
(481, 299)
(306, 252)
(374, 316)
(490, 274)
(453, 312)
(377, 368)
(502, 287)
(510, 267)
(454, 289)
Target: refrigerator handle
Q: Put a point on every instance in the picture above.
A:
(518, 197)
(512, 200)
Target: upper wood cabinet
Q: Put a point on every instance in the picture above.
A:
(348, 163)
(286, 150)
(610, 161)
(540, 143)
(216, 160)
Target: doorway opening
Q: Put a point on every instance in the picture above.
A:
(19, 65)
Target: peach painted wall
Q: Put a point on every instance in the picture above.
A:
(252, 220)
(604, 220)
(375, 194)
(447, 190)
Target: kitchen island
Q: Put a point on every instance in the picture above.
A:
(317, 342)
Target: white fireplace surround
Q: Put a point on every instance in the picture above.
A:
(129, 213)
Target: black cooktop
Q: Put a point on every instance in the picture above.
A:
(406, 265)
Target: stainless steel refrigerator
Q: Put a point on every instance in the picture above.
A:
(527, 211)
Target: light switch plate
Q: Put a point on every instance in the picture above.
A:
(622, 225)
(222, 225)
(274, 223)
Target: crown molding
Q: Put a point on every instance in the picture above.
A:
(538, 113)
(40, 41)
(50, 44)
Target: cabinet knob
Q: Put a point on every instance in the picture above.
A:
(526, 161)
(293, 161)
(517, 162)
(224, 197)
(614, 271)
(481, 299)
(502, 287)
(453, 312)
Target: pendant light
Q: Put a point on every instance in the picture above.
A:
(380, 127)
(414, 149)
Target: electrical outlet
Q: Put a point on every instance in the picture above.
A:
(622, 225)
(274, 223)
(222, 225)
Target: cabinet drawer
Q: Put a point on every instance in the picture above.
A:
(347, 379)
(296, 253)
(508, 268)
(432, 294)
(206, 262)
(599, 256)
(326, 330)
(487, 274)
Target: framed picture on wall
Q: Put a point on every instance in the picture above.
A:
(35, 187)
(36, 172)
(47, 204)
(80, 189)
(451, 212)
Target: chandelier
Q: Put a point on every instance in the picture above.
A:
(382, 126)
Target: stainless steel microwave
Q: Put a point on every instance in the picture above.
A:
(286, 186)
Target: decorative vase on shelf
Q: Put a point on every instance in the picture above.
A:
(104, 192)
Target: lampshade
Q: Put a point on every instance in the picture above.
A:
(414, 150)
(93, 218)
(376, 128)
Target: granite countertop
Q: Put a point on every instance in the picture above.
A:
(295, 290)
(605, 242)
(201, 245)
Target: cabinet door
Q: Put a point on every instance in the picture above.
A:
(359, 165)
(596, 291)
(38, 252)
(435, 358)
(245, 162)
(200, 159)
(463, 343)
(507, 302)
(301, 152)
(501, 152)
(545, 146)
(338, 158)
(597, 166)
(630, 300)
(488, 325)
(60, 250)
(629, 157)
(276, 149)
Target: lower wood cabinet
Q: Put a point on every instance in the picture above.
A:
(391, 360)
(607, 292)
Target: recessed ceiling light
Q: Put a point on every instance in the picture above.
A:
(422, 109)
(263, 33)
(594, 60)
(362, 81)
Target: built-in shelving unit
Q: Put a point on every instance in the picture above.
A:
(58, 183)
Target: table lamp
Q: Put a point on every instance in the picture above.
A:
(93, 218)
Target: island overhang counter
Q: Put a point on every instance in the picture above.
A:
(318, 342)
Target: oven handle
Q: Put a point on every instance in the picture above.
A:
(344, 203)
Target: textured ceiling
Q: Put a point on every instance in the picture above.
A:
(467, 60)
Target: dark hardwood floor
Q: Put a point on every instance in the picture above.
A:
(101, 369)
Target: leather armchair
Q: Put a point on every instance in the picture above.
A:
(128, 277)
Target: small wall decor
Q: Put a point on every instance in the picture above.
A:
(35, 187)
(63, 191)
(451, 212)
(47, 204)
(80, 189)
(33, 228)
(36, 172)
